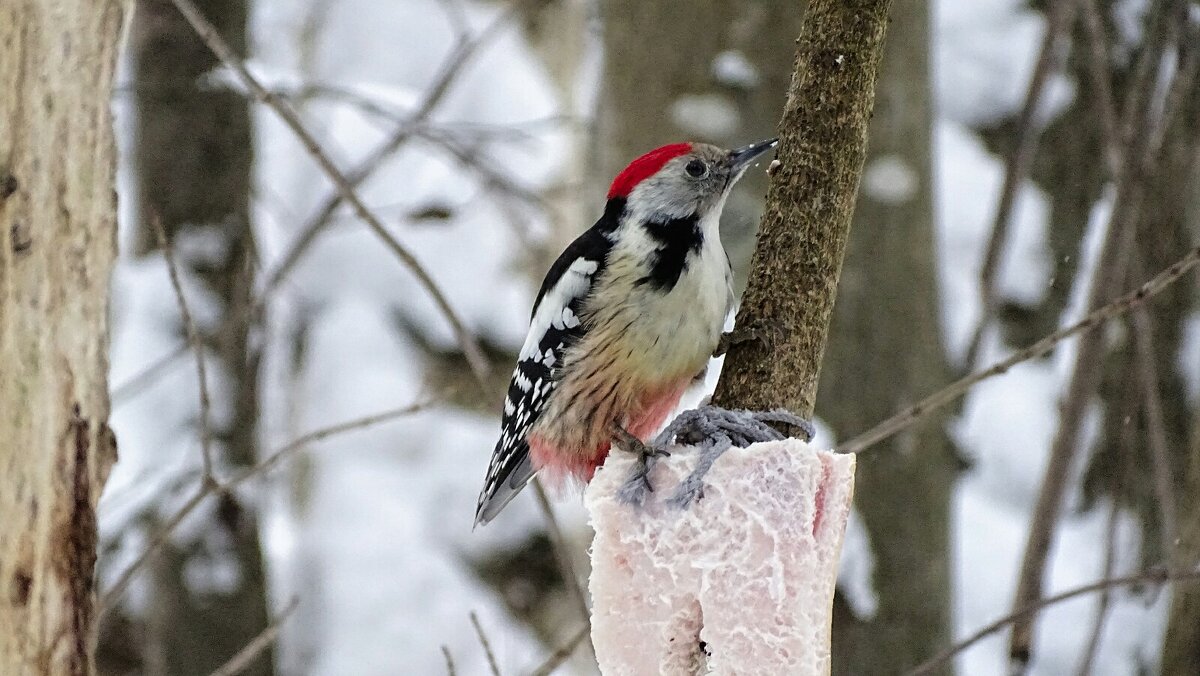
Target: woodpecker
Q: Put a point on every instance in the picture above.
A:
(626, 318)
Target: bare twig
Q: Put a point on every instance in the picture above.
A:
(562, 551)
(562, 654)
(217, 44)
(1120, 306)
(108, 600)
(1102, 607)
(246, 656)
(151, 372)
(1158, 575)
(459, 56)
(1059, 18)
(450, 669)
(209, 486)
(325, 432)
(193, 339)
(487, 645)
(1101, 89)
(1144, 141)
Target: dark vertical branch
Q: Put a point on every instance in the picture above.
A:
(1181, 646)
(1139, 153)
(194, 160)
(795, 267)
(1025, 140)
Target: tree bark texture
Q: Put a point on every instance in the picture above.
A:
(193, 151)
(885, 350)
(796, 263)
(57, 247)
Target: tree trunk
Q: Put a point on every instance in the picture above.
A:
(795, 267)
(57, 246)
(885, 350)
(194, 152)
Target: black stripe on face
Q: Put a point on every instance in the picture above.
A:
(676, 239)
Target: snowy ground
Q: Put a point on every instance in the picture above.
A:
(376, 550)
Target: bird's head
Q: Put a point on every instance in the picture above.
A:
(683, 180)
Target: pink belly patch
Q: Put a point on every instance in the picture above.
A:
(654, 410)
(556, 465)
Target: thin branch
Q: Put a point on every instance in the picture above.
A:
(450, 669)
(217, 44)
(325, 432)
(108, 601)
(1110, 272)
(1101, 89)
(487, 645)
(459, 56)
(247, 655)
(193, 339)
(562, 654)
(935, 401)
(151, 372)
(1059, 18)
(209, 486)
(1103, 606)
(562, 552)
(1157, 575)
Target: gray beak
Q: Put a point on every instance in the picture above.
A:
(740, 158)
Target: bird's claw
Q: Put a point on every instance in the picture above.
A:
(744, 334)
(644, 451)
(637, 487)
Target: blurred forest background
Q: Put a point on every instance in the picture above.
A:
(1027, 160)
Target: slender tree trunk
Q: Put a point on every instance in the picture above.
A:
(57, 246)
(194, 156)
(884, 352)
(802, 240)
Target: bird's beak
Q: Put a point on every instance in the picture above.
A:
(740, 158)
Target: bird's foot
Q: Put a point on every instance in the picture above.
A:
(745, 334)
(714, 430)
(637, 487)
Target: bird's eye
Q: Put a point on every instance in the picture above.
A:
(696, 168)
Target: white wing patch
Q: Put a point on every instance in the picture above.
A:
(554, 310)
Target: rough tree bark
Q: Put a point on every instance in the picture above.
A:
(57, 246)
(802, 240)
(885, 349)
(193, 152)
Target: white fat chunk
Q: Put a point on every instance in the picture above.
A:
(749, 570)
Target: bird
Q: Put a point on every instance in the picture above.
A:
(625, 321)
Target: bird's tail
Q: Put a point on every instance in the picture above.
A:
(495, 496)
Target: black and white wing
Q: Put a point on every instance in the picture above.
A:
(555, 325)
